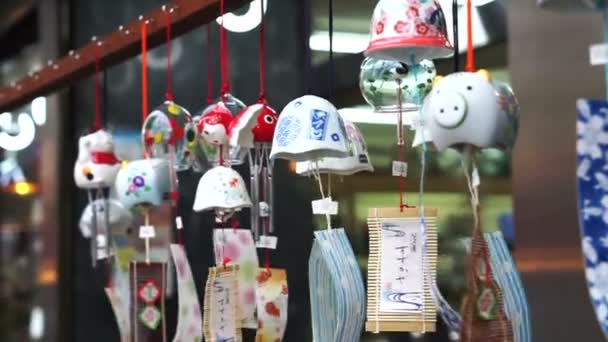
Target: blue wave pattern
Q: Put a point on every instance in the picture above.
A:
(337, 292)
(592, 175)
(516, 303)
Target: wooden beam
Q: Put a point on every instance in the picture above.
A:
(113, 48)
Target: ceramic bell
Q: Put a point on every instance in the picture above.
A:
(143, 182)
(212, 124)
(309, 128)
(380, 81)
(357, 161)
(164, 134)
(96, 166)
(120, 217)
(468, 108)
(221, 188)
(408, 31)
(572, 4)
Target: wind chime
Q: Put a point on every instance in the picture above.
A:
(396, 77)
(95, 171)
(311, 132)
(468, 111)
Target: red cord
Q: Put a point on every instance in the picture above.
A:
(97, 124)
(401, 181)
(221, 161)
(470, 67)
(144, 77)
(169, 94)
(209, 71)
(224, 53)
(262, 57)
(144, 72)
(109, 271)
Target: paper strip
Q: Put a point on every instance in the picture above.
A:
(220, 321)
(189, 320)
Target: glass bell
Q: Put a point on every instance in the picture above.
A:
(164, 134)
(380, 81)
(218, 152)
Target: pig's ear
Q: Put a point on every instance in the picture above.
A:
(485, 74)
(437, 79)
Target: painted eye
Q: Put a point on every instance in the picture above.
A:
(268, 119)
(469, 88)
(190, 135)
(206, 132)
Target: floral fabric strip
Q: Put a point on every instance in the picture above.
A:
(592, 174)
(272, 298)
(121, 313)
(189, 320)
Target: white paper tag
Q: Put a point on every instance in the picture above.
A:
(147, 232)
(399, 168)
(266, 241)
(264, 209)
(598, 54)
(475, 177)
(417, 122)
(325, 206)
(178, 223)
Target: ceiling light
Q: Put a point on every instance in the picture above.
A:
(244, 22)
(24, 128)
(39, 110)
(343, 42)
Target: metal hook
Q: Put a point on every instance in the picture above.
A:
(166, 9)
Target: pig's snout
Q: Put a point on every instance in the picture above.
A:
(450, 109)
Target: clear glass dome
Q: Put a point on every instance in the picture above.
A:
(380, 81)
(212, 152)
(164, 134)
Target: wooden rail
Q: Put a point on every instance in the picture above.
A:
(113, 48)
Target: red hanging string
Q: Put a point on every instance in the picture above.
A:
(109, 272)
(209, 71)
(144, 71)
(224, 53)
(144, 76)
(470, 67)
(97, 123)
(169, 93)
(262, 57)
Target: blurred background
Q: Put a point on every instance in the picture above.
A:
(48, 290)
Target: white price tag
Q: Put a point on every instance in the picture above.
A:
(147, 232)
(264, 209)
(598, 54)
(475, 177)
(399, 169)
(178, 223)
(325, 206)
(268, 242)
(417, 122)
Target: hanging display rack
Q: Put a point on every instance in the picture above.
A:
(113, 48)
